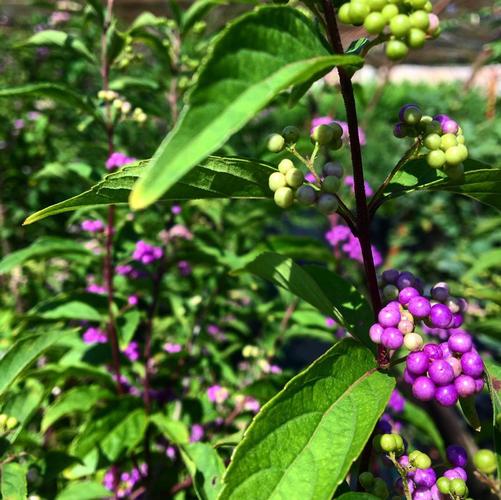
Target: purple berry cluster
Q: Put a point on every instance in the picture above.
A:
(439, 134)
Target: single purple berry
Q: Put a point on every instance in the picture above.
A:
(389, 316)
(384, 427)
(449, 127)
(375, 332)
(441, 118)
(479, 384)
(406, 294)
(425, 477)
(465, 385)
(441, 372)
(457, 320)
(460, 342)
(446, 395)
(406, 280)
(422, 494)
(417, 363)
(456, 455)
(394, 304)
(423, 389)
(445, 349)
(419, 307)
(400, 130)
(440, 316)
(440, 292)
(392, 338)
(406, 326)
(433, 351)
(453, 304)
(472, 364)
(390, 276)
(456, 473)
(404, 108)
(409, 378)
(456, 365)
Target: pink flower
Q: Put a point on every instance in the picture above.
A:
(197, 433)
(94, 336)
(95, 288)
(217, 394)
(275, 369)
(184, 267)
(92, 226)
(172, 348)
(171, 452)
(176, 209)
(147, 253)
(251, 404)
(133, 300)
(349, 181)
(180, 231)
(131, 352)
(330, 322)
(117, 160)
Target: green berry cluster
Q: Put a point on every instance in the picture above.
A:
(374, 485)
(456, 487)
(407, 23)
(288, 184)
(7, 423)
(439, 134)
(419, 460)
(389, 443)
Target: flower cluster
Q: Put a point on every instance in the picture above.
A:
(146, 253)
(94, 335)
(121, 105)
(92, 226)
(407, 23)
(440, 134)
(123, 484)
(117, 160)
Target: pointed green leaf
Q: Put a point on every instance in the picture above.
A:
(255, 58)
(217, 177)
(14, 485)
(470, 412)
(84, 490)
(173, 430)
(323, 289)
(304, 441)
(72, 309)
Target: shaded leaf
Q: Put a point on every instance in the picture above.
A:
(14, 485)
(470, 412)
(174, 430)
(493, 375)
(84, 490)
(217, 177)
(304, 440)
(72, 309)
(256, 57)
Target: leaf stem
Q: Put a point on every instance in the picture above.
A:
(362, 219)
(403, 474)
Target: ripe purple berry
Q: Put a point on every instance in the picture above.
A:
(433, 351)
(392, 338)
(456, 365)
(456, 473)
(457, 455)
(422, 494)
(409, 378)
(440, 292)
(389, 316)
(425, 477)
(407, 294)
(441, 372)
(465, 385)
(472, 364)
(375, 332)
(417, 363)
(419, 307)
(447, 395)
(479, 384)
(406, 280)
(450, 127)
(423, 389)
(440, 316)
(460, 342)
(390, 276)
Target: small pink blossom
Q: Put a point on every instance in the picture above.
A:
(330, 322)
(197, 433)
(349, 181)
(92, 226)
(95, 288)
(131, 352)
(94, 336)
(180, 231)
(176, 209)
(172, 348)
(146, 253)
(251, 404)
(217, 394)
(132, 300)
(184, 267)
(117, 160)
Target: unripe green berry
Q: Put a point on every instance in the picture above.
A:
(419, 19)
(331, 168)
(416, 38)
(454, 172)
(323, 134)
(432, 141)
(389, 12)
(276, 143)
(294, 177)
(458, 487)
(400, 25)
(388, 443)
(412, 115)
(358, 12)
(284, 197)
(485, 461)
(436, 159)
(11, 423)
(3, 419)
(336, 144)
(285, 165)
(276, 181)
(366, 480)
(395, 50)
(433, 127)
(413, 341)
(447, 141)
(327, 203)
(374, 23)
(344, 13)
(460, 139)
(306, 195)
(337, 131)
(454, 155)
(376, 4)
(390, 292)
(331, 184)
(428, 6)
(421, 461)
(443, 485)
(290, 134)
(418, 4)
(463, 151)
(380, 489)
(399, 443)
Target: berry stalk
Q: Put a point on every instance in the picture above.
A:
(363, 219)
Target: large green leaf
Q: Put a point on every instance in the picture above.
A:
(45, 247)
(480, 182)
(323, 289)
(255, 58)
(72, 309)
(60, 39)
(216, 177)
(14, 485)
(84, 490)
(493, 372)
(58, 92)
(22, 353)
(205, 467)
(304, 440)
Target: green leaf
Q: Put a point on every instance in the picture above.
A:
(197, 11)
(323, 289)
(146, 20)
(493, 373)
(14, 485)
(480, 182)
(174, 430)
(205, 467)
(73, 309)
(125, 82)
(45, 248)
(78, 399)
(84, 490)
(304, 441)
(420, 419)
(217, 177)
(255, 58)
(470, 412)
(357, 496)
(58, 92)
(22, 353)
(55, 38)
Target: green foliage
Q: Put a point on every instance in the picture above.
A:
(329, 418)
(13, 485)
